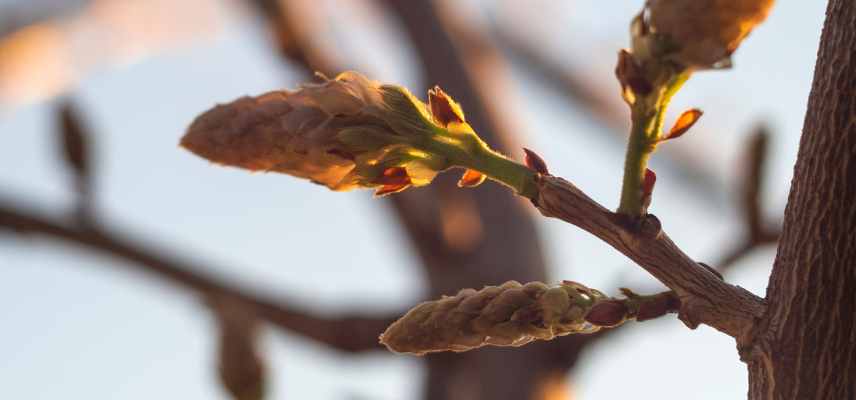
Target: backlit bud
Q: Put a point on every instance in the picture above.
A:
(705, 32)
(344, 133)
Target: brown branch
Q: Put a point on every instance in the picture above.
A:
(705, 298)
(352, 333)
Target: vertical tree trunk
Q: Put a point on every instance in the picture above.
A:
(805, 345)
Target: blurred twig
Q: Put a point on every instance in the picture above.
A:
(77, 155)
(241, 366)
(757, 232)
(350, 333)
(292, 35)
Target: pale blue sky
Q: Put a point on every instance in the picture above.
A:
(78, 325)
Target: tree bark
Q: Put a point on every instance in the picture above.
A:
(805, 344)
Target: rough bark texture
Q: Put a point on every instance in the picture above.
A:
(805, 346)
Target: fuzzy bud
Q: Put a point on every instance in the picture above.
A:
(507, 315)
(344, 133)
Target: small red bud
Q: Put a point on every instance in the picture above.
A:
(443, 108)
(535, 162)
(684, 123)
(394, 180)
(471, 178)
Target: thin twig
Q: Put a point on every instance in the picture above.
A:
(352, 333)
(757, 231)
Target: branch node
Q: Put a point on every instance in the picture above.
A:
(650, 226)
(687, 316)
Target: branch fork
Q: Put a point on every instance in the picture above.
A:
(705, 298)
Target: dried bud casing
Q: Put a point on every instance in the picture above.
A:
(705, 32)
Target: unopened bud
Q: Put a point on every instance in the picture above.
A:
(704, 32)
(507, 315)
(345, 133)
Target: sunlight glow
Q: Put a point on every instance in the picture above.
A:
(46, 59)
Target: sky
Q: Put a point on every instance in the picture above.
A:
(79, 324)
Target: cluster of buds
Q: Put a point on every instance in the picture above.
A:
(344, 133)
(511, 314)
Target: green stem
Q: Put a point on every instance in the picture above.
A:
(474, 154)
(639, 150)
(647, 115)
(508, 172)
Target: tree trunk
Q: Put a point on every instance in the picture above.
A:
(805, 345)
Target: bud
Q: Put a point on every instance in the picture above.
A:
(507, 315)
(535, 162)
(684, 123)
(444, 110)
(647, 189)
(704, 33)
(345, 133)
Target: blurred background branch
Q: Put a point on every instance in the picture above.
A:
(757, 230)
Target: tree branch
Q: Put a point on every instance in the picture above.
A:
(588, 97)
(705, 298)
(351, 333)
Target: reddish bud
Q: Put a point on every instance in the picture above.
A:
(471, 178)
(631, 77)
(394, 180)
(684, 123)
(647, 189)
(443, 108)
(648, 182)
(535, 162)
(394, 176)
